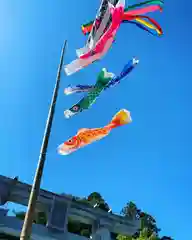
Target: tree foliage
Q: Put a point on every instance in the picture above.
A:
(148, 229)
(130, 210)
(148, 223)
(143, 235)
(40, 217)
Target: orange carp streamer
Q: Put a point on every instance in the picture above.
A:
(87, 136)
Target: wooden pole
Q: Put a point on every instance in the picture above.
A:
(27, 225)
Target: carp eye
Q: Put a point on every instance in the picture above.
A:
(75, 108)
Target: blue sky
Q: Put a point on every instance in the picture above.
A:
(148, 161)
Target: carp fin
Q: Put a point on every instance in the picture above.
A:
(82, 130)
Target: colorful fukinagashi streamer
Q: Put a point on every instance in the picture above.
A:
(133, 15)
(109, 25)
(104, 81)
(103, 44)
(87, 136)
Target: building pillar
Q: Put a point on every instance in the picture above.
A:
(4, 193)
(100, 231)
(58, 216)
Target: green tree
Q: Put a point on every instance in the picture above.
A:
(148, 230)
(148, 222)
(121, 237)
(96, 198)
(130, 210)
(40, 217)
(143, 235)
(79, 228)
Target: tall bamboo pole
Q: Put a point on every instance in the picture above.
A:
(27, 225)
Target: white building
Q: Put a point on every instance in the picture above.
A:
(59, 209)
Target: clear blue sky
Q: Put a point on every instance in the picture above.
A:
(148, 161)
